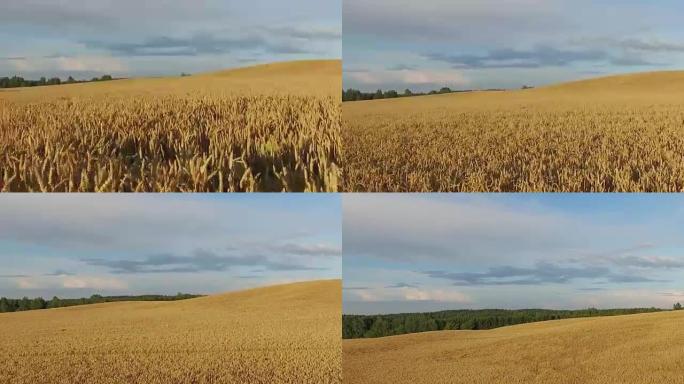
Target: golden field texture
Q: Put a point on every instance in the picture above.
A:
(620, 133)
(642, 348)
(274, 127)
(279, 334)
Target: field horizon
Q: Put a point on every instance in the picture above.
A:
(617, 78)
(503, 326)
(278, 333)
(643, 347)
(669, 81)
(291, 76)
(356, 326)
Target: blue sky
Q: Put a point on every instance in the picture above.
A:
(85, 38)
(422, 252)
(79, 245)
(475, 44)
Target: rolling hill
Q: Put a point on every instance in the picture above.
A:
(279, 334)
(641, 348)
(617, 133)
(267, 128)
(610, 90)
(663, 82)
(307, 77)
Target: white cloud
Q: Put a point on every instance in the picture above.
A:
(415, 294)
(71, 282)
(675, 294)
(368, 295)
(410, 77)
(407, 294)
(626, 298)
(28, 283)
(91, 282)
(90, 64)
(319, 249)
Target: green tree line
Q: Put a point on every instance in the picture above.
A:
(19, 82)
(356, 95)
(26, 304)
(366, 326)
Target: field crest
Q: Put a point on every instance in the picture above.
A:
(641, 347)
(314, 77)
(280, 334)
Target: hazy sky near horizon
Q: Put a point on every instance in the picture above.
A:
(475, 44)
(86, 38)
(79, 245)
(422, 252)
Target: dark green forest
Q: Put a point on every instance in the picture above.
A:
(20, 82)
(26, 304)
(363, 326)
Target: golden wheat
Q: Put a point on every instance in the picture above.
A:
(643, 348)
(268, 128)
(623, 133)
(279, 334)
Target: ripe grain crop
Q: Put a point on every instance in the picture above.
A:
(642, 348)
(278, 334)
(621, 133)
(266, 128)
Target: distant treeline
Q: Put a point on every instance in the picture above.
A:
(360, 326)
(356, 95)
(19, 82)
(26, 304)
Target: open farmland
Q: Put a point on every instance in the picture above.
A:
(274, 127)
(642, 348)
(278, 334)
(620, 133)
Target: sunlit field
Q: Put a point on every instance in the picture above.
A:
(641, 348)
(278, 334)
(274, 127)
(621, 133)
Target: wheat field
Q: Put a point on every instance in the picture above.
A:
(273, 127)
(278, 334)
(620, 133)
(642, 348)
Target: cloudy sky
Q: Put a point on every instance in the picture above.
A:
(85, 38)
(79, 245)
(473, 44)
(407, 253)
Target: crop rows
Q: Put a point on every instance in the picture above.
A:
(173, 143)
(578, 148)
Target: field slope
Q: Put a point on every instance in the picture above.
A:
(618, 133)
(304, 78)
(278, 334)
(641, 348)
(271, 127)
